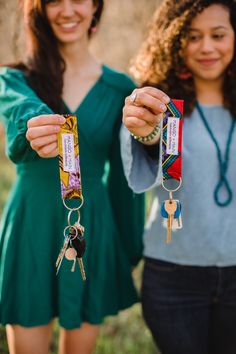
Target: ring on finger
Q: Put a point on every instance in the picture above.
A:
(133, 97)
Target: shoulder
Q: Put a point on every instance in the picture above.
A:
(8, 73)
(117, 80)
(11, 78)
(14, 82)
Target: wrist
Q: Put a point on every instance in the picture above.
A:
(150, 139)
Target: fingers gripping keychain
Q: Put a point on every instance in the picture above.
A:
(171, 143)
(71, 188)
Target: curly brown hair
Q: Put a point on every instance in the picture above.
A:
(161, 56)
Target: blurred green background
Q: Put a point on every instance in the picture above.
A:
(122, 30)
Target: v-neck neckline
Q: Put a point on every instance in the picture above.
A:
(89, 92)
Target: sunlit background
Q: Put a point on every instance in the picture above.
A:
(122, 29)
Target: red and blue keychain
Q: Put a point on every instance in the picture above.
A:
(171, 144)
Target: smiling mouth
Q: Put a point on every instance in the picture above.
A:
(207, 62)
(69, 25)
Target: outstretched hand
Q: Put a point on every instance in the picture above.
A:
(143, 110)
(42, 134)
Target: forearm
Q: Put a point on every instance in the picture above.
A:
(141, 163)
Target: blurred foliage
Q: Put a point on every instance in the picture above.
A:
(126, 334)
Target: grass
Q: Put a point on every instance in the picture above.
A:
(125, 333)
(128, 333)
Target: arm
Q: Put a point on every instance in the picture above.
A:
(142, 160)
(18, 104)
(143, 111)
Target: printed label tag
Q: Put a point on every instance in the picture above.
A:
(68, 152)
(172, 136)
(69, 161)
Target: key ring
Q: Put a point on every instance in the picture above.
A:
(73, 209)
(69, 216)
(68, 227)
(170, 191)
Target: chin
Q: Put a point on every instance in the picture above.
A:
(68, 39)
(210, 76)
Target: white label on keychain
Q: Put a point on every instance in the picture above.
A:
(68, 152)
(172, 136)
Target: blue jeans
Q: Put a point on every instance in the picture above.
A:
(190, 310)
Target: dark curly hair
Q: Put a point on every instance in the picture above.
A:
(160, 58)
(44, 66)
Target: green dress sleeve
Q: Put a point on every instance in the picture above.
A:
(18, 103)
(128, 207)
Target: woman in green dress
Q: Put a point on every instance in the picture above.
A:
(61, 76)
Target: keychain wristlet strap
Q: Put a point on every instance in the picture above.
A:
(71, 188)
(171, 145)
(69, 162)
(171, 142)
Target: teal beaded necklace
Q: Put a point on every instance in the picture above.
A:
(223, 181)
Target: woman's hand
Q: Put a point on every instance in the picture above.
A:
(143, 110)
(42, 134)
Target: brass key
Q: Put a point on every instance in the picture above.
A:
(78, 243)
(170, 208)
(81, 267)
(62, 253)
(71, 256)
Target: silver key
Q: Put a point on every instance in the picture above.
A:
(62, 253)
(81, 267)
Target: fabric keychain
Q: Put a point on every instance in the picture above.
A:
(71, 188)
(171, 143)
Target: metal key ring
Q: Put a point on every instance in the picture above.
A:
(74, 209)
(68, 227)
(69, 216)
(171, 190)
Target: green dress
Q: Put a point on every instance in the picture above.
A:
(32, 224)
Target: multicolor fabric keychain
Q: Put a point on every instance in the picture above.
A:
(71, 188)
(171, 143)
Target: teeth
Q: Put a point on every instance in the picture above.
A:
(69, 25)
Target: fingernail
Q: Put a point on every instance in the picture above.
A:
(57, 128)
(62, 119)
(162, 107)
(166, 99)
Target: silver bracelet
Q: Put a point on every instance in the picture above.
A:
(149, 137)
